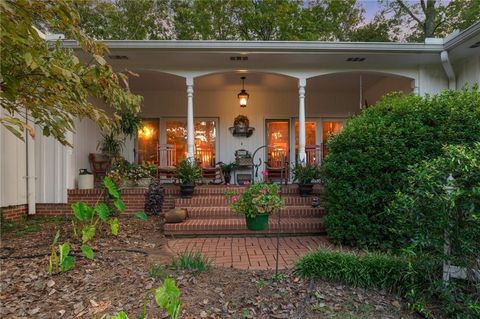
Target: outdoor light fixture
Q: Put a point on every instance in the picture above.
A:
(243, 95)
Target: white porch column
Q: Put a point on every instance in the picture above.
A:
(302, 83)
(190, 126)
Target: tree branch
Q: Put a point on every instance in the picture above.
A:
(410, 13)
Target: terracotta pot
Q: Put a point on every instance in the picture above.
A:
(176, 215)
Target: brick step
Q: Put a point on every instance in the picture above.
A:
(237, 226)
(221, 200)
(201, 190)
(226, 212)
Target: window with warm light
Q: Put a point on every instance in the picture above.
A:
(205, 140)
(310, 135)
(330, 128)
(147, 138)
(278, 134)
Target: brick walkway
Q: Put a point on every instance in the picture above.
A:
(249, 252)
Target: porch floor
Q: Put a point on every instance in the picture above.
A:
(250, 252)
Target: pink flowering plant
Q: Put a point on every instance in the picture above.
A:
(261, 198)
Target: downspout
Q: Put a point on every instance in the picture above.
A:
(30, 169)
(447, 67)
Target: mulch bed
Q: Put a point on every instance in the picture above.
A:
(119, 279)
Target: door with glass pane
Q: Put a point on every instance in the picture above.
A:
(205, 137)
(278, 136)
(147, 141)
(310, 137)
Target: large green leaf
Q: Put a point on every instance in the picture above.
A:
(168, 297)
(87, 251)
(141, 216)
(88, 232)
(114, 226)
(67, 263)
(102, 211)
(82, 211)
(120, 315)
(111, 187)
(119, 205)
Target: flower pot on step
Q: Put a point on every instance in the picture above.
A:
(186, 190)
(259, 222)
(305, 189)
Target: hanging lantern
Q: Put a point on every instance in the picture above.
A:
(243, 95)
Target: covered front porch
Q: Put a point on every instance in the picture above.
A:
(288, 116)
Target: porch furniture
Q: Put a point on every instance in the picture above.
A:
(313, 154)
(213, 175)
(166, 161)
(99, 165)
(243, 162)
(276, 166)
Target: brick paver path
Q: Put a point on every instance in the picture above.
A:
(249, 252)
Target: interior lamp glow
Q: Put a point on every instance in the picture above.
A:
(243, 95)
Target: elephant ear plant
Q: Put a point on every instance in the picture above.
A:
(84, 224)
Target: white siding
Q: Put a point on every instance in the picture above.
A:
(467, 71)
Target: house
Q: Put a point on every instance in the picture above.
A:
(298, 94)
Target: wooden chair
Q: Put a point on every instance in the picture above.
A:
(166, 161)
(313, 154)
(211, 172)
(276, 165)
(99, 164)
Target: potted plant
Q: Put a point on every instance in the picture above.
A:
(227, 170)
(257, 202)
(139, 175)
(304, 175)
(111, 145)
(187, 171)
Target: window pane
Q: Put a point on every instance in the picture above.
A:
(330, 128)
(310, 138)
(205, 137)
(277, 134)
(205, 140)
(177, 136)
(147, 141)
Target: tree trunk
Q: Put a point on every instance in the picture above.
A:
(429, 25)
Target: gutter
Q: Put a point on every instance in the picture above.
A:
(447, 67)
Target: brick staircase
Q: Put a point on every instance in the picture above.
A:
(209, 214)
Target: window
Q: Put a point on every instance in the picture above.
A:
(330, 128)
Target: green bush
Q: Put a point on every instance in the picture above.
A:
(191, 260)
(359, 270)
(434, 207)
(368, 161)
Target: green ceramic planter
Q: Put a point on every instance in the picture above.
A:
(259, 222)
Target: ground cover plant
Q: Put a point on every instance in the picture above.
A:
(191, 260)
(84, 226)
(368, 161)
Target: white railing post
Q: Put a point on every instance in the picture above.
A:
(302, 82)
(190, 125)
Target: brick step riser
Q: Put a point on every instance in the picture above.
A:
(242, 232)
(239, 227)
(221, 189)
(214, 201)
(226, 214)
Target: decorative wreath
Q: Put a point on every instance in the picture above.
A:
(241, 120)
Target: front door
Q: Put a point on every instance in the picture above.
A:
(278, 135)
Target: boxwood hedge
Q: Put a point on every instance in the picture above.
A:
(368, 161)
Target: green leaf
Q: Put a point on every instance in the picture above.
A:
(111, 187)
(102, 211)
(114, 226)
(67, 263)
(55, 239)
(82, 211)
(141, 216)
(64, 250)
(168, 297)
(88, 232)
(119, 205)
(87, 251)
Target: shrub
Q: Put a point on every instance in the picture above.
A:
(190, 260)
(368, 161)
(442, 200)
(359, 270)
(154, 198)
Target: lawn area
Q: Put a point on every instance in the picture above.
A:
(126, 269)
